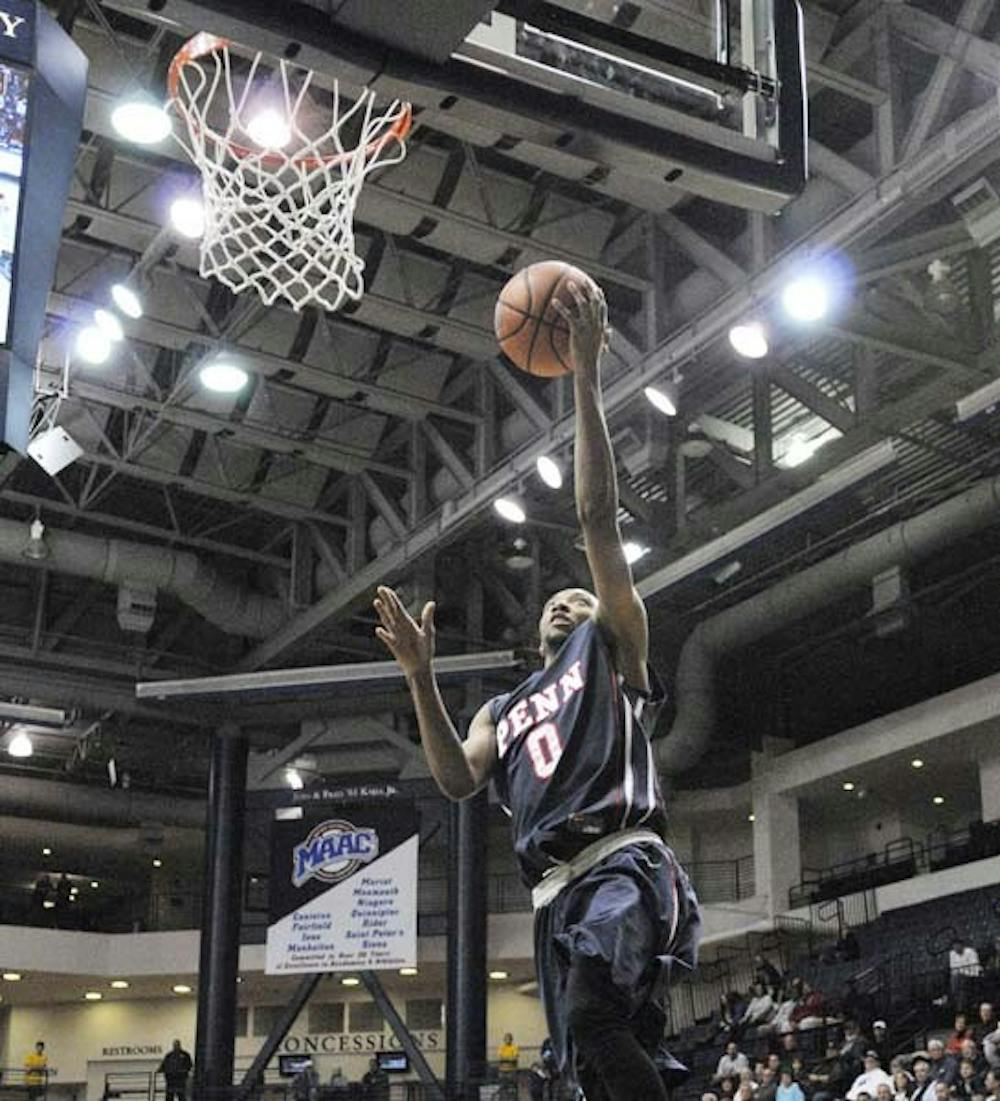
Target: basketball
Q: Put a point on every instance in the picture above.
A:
(529, 331)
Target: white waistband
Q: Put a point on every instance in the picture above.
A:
(558, 878)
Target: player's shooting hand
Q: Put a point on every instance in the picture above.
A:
(589, 333)
(410, 643)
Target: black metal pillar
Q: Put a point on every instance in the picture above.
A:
(220, 916)
(467, 933)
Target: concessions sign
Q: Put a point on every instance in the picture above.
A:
(343, 889)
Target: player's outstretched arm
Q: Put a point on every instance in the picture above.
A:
(459, 768)
(620, 608)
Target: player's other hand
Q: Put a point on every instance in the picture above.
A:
(589, 333)
(410, 643)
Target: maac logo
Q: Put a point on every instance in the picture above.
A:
(333, 850)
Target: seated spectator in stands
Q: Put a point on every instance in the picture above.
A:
(964, 966)
(942, 1091)
(731, 1009)
(991, 1085)
(944, 1068)
(781, 1022)
(810, 1011)
(923, 1085)
(745, 1092)
(902, 1085)
(731, 1062)
(760, 1009)
(827, 1076)
(884, 1092)
(768, 1088)
(880, 1041)
(958, 1034)
(852, 1050)
(727, 1088)
(991, 1049)
(768, 975)
(788, 1089)
(338, 1080)
(970, 1051)
(986, 1024)
(968, 1084)
(869, 1080)
(746, 1079)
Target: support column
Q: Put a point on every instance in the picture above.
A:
(220, 916)
(467, 929)
(989, 784)
(777, 848)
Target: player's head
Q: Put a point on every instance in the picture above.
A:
(562, 613)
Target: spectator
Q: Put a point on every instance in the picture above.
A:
(175, 1068)
(761, 1007)
(970, 1051)
(727, 1089)
(731, 1010)
(880, 1042)
(767, 975)
(708, 1095)
(768, 1088)
(991, 1085)
(943, 1067)
(338, 1080)
(745, 1092)
(902, 1085)
(968, 1081)
(731, 1063)
(746, 1079)
(788, 1090)
(986, 1024)
(507, 1055)
(551, 1064)
(537, 1081)
(964, 966)
(827, 1077)
(781, 1022)
(852, 1050)
(884, 1092)
(810, 1011)
(991, 1048)
(923, 1086)
(958, 1034)
(36, 1071)
(869, 1080)
(375, 1082)
(942, 1091)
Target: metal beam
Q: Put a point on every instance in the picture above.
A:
(813, 398)
(945, 40)
(519, 394)
(448, 455)
(701, 250)
(838, 169)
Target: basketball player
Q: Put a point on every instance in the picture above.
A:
(615, 915)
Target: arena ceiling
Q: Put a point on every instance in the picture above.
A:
(370, 444)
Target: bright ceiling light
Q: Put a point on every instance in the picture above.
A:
(350, 981)
(510, 509)
(48, 904)
(12, 976)
(141, 120)
(799, 450)
(126, 300)
(661, 400)
(751, 817)
(806, 298)
(848, 785)
(294, 779)
(157, 862)
(106, 321)
(20, 746)
(549, 471)
(46, 851)
(917, 763)
(187, 216)
(938, 800)
(119, 984)
(634, 551)
(408, 971)
(269, 129)
(498, 975)
(93, 345)
(93, 995)
(182, 988)
(94, 884)
(223, 377)
(749, 340)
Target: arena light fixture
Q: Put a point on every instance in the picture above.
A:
(127, 300)
(269, 128)
(634, 551)
(350, 980)
(222, 376)
(917, 763)
(938, 800)
(661, 400)
(187, 216)
(93, 996)
(142, 120)
(499, 975)
(749, 340)
(12, 976)
(751, 817)
(119, 984)
(181, 988)
(408, 971)
(157, 862)
(48, 904)
(294, 779)
(94, 884)
(93, 345)
(20, 746)
(549, 471)
(848, 785)
(109, 324)
(46, 851)
(510, 509)
(806, 298)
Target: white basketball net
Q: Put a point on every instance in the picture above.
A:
(279, 215)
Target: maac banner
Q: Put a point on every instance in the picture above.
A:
(343, 889)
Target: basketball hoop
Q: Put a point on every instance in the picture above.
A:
(279, 206)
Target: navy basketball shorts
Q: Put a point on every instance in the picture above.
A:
(637, 912)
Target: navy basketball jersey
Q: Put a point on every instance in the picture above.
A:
(574, 761)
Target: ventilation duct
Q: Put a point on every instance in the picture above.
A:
(787, 602)
(229, 606)
(22, 797)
